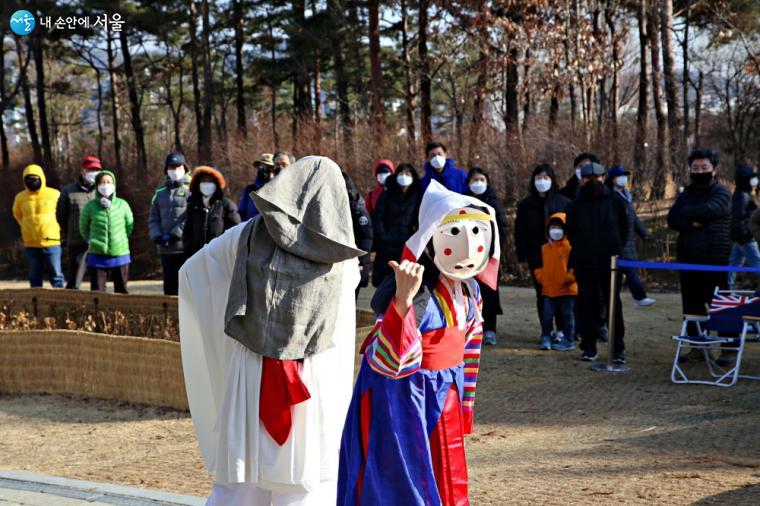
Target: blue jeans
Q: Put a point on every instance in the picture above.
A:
(634, 283)
(561, 309)
(38, 257)
(743, 254)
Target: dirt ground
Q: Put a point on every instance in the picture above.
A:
(548, 430)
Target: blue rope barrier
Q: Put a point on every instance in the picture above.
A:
(674, 266)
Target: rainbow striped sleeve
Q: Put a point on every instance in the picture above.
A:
(395, 347)
(473, 342)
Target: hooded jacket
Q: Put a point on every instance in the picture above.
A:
(597, 227)
(451, 177)
(532, 213)
(35, 212)
(373, 196)
(394, 221)
(702, 216)
(489, 197)
(288, 268)
(107, 229)
(743, 205)
(553, 274)
(207, 218)
(168, 213)
(635, 226)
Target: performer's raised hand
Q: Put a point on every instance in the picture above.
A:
(408, 282)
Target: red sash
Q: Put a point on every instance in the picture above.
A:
(281, 388)
(443, 348)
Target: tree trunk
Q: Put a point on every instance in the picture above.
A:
(675, 121)
(318, 92)
(425, 81)
(115, 120)
(698, 111)
(481, 85)
(526, 95)
(686, 77)
(207, 152)
(357, 63)
(376, 70)
(28, 109)
(408, 94)
(642, 113)
(39, 65)
(193, 28)
(510, 91)
(99, 111)
(662, 169)
(615, 91)
(302, 89)
(3, 103)
(142, 162)
(240, 92)
(341, 79)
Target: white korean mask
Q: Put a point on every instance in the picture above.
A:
(207, 189)
(543, 184)
(478, 187)
(578, 173)
(556, 234)
(89, 176)
(462, 243)
(176, 174)
(381, 177)
(621, 181)
(106, 189)
(404, 180)
(753, 182)
(438, 161)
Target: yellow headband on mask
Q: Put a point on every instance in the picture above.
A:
(466, 216)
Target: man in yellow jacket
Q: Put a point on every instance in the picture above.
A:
(34, 210)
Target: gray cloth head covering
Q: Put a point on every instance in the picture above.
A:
(286, 285)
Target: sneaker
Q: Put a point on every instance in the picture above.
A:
(619, 360)
(546, 343)
(727, 358)
(588, 357)
(645, 302)
(489, 337)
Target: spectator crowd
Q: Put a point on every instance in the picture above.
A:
(565, 234)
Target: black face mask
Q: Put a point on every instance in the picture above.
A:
(702, 178)
(33, 184)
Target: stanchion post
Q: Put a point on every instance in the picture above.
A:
(611, 330)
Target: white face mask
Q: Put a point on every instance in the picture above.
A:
(438, 161)
(543, 184)
(208, 189)
(478, 187)
(753, 182)
(462, 245)
(382, 177)
(89, 176)
(106, 189)
(578, 173)
(556, 234)
(176, 174)
(404, 180)
(621, 181)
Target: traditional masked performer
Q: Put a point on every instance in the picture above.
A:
(403, 442)
(267, 324)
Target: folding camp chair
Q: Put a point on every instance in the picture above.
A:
(732, 312)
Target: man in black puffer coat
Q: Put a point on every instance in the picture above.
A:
(744, 250)
(542, 201)
(209, 212)
(702, 216)
(597, 227)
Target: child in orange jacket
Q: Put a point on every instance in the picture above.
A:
(558, 285)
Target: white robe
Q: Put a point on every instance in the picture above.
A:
(222, 378)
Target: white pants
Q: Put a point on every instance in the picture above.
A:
(247, 494)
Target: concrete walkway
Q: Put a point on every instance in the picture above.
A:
(25, 489)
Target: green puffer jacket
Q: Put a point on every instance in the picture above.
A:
(107, 229)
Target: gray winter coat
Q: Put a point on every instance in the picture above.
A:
(635, 227)
(168, 213)
(73, 198)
